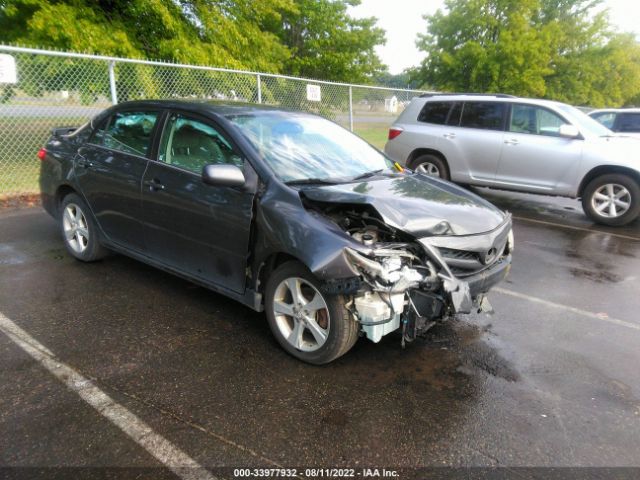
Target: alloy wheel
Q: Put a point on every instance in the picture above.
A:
(75, 227)
(301, 314)
(428, 169)
(611, 200)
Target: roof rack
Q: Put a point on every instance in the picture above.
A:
(496, 95)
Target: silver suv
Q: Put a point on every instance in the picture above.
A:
(535, 146)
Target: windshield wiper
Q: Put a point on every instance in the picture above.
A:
(312, 181)
(368, 174)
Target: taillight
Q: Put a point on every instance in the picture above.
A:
(394, 132)
(42, 153)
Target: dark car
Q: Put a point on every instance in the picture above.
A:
(283, 211)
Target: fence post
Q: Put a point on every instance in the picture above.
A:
(112, 82)
(259, 89)
(350, 109)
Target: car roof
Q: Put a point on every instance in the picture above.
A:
(219, 107)
(616, 110)
(499, 97)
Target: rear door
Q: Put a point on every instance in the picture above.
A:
(535, 156)
(109, 169)
(198, 229)
(475, 136)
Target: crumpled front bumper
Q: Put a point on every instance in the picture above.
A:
(481, 282)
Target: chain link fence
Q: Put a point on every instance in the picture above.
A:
(54, 89)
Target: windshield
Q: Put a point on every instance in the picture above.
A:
(584, 122)
(301, 147)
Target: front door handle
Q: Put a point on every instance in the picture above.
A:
(513, 141)
(449, 135)
(154, 185)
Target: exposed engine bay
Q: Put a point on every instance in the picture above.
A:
(407, 283)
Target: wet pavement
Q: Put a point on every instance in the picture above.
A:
(550, 379)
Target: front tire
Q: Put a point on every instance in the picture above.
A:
(612, 199)
(79, 230)
(313, 327)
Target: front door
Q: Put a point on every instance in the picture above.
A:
(109, 170)
(198, 229)
(535, 156)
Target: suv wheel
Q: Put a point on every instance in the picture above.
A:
(312, 327)
(79, 230)
(431, 165)
(612, 199)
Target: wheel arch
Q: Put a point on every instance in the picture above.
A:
(268, 265)
(604, 170)
(424, 151)
(61, 192)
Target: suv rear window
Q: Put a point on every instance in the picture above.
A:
(434, 112)
(485, 115)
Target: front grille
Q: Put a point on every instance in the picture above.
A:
(464, 262)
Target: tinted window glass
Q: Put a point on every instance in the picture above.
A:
(534, 120)
(130, 132)
(191, 144)
(454, 115)
(434, 112)
(485, 115)
(629, 122)
(605, 118)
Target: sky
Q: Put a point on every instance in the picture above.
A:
(402, 20)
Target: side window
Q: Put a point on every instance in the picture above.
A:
(191, 144)
(606, 118)
(434, 112)
(130, 132)
(629, 122)
(534, 120)
(454, 114)
(484, 115)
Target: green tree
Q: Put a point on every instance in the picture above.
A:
(221, 33)
(560, 49)
(327, 43)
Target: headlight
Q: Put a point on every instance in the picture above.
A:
(510, 241)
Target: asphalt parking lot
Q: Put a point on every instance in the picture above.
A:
(131, 367)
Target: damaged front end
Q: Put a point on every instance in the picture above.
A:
(410, 283)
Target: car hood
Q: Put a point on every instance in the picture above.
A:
(415, 203)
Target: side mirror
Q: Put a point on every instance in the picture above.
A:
(569, 131)
(223, 176)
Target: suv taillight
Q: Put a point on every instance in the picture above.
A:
(394, 132)
(42, 153)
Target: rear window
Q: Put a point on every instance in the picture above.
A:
(434, 112)
(129, 132)
(629, 122)
(484, 115)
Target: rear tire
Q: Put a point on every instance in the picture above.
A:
(79, 230)
(311, 326)
(432, 165)
(612, 199)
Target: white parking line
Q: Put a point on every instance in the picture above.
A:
(585, 313)
(158, 446)
(582, 229)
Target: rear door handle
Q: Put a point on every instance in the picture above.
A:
(513, 141)
(449, 135)
(154, 185)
